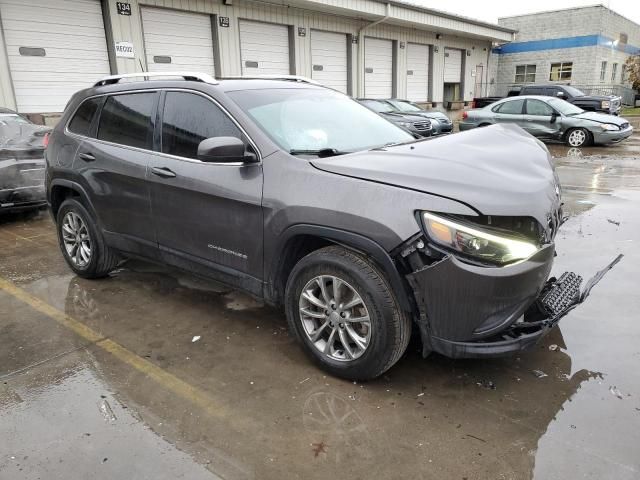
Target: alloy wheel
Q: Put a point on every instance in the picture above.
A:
(76, 239)
(577, 138)
(335, 318)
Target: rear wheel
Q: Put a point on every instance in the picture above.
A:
(81, 242)
(578, 137)
(342, 310)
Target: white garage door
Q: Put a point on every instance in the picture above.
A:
(378, 68)
(417, 72)
(329, 59)
(452, 65)
(264, 48)
(55, 48)
(177, 41)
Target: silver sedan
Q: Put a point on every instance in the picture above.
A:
(550, 118)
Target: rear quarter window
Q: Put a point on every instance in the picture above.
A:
(82, 119)
(126, 119)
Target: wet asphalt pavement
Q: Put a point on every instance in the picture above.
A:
(102, 379)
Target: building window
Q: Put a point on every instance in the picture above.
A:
(561, 71)
(614, 72)
(623, 74)
(525, 73)
(603, 71)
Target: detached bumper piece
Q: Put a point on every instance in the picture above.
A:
(500, 316)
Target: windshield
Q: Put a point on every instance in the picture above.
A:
(574, 92)
(564, 107)
(377, 106)
(11, 119)
(300, 119)
(405, 106)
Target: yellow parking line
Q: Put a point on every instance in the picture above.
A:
(195, 395)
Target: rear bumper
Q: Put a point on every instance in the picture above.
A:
(469, 311)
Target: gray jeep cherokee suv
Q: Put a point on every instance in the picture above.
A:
(301, 196)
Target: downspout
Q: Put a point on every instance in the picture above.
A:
(360, 88)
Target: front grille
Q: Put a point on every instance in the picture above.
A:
(422, 126)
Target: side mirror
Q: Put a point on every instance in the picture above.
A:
(561, 95)
(554, 117)
(224, 149)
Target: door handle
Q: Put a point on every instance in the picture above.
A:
(163, 172)
(87, 157)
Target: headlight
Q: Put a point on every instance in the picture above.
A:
(609, 127)
(480, 244)
(605, 104)
(405, 124)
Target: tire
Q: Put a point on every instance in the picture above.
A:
(101, 259)
(578, 137)
(388, 330)
(484, 125)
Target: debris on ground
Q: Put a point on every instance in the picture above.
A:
(106, 411)
(553, 347)
(303, 381)
(488, 384)
(195, 338)
(539, 373)
(421, 394)
(614, 391)
(616, 223)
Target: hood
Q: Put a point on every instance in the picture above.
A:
(496, 170)
(599, 98)
(435, 115)
(403, 117)
(22, 135)
(601, 118)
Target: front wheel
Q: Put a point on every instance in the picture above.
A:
(342, 310)
(578, 137)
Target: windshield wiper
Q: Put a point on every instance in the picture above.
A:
(321, 153)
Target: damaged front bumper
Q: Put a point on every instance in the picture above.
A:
(470, 311)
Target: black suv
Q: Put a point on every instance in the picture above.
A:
(592, 103)
(301, 196)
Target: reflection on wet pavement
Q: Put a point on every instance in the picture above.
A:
(568, 409)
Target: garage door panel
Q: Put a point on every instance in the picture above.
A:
(72, 35)
(185, 37)
(417, 72)
(266, 45)
(452, 65)
(378, 59)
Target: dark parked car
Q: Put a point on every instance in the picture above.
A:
(416, 124)
(440, 123)
(301, 196)
(610, 104)
(550, 118)
(21, 163)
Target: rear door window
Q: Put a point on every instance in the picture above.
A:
(126, 119)
(81, 121)
(513, 107)
(190, 118)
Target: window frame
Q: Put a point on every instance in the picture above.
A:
(526, 73)
(158, 130)
(151, 135)
(497, 108)
(614, 71)
(553, 110)
(156, 125)
(603, 70)
(560, 71)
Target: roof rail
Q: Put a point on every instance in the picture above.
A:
(195, 76)
(293, 78)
